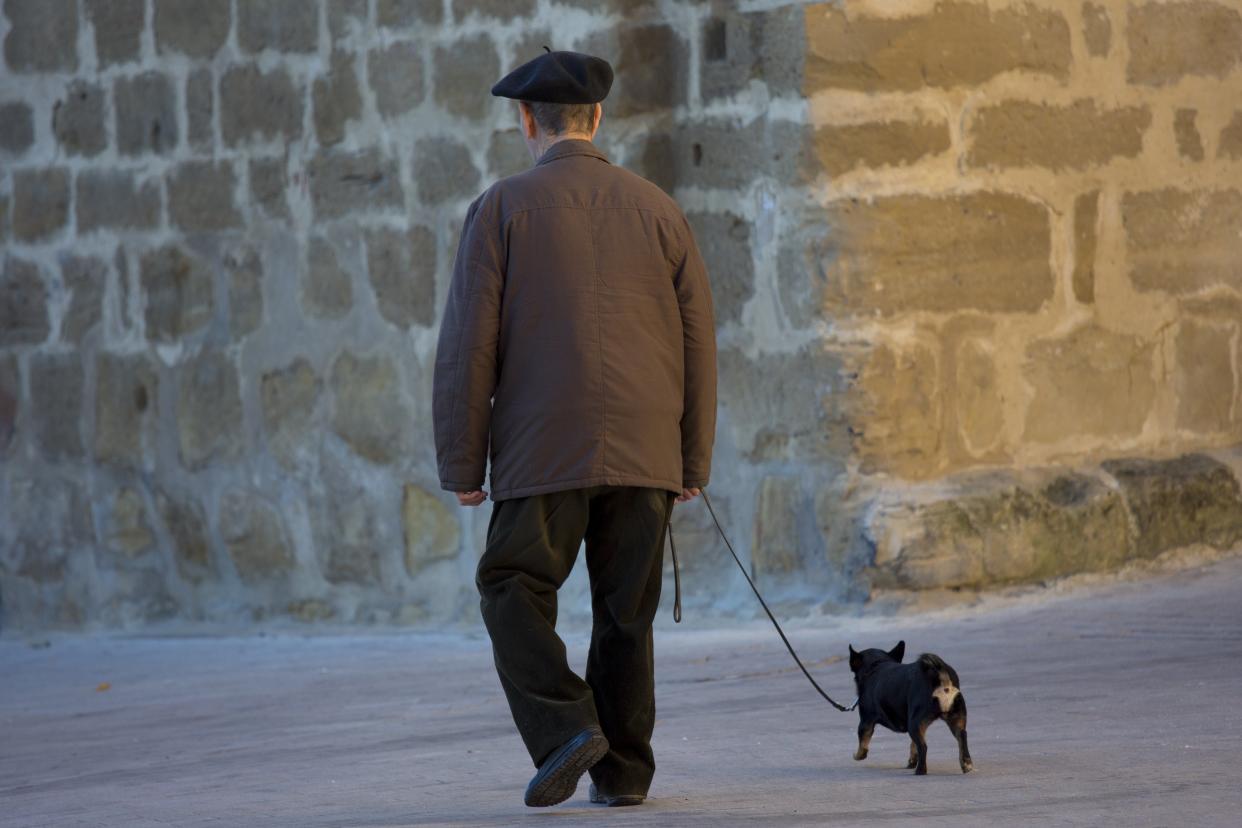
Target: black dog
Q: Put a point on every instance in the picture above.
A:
(907, 698)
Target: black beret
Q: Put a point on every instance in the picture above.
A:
(558, 77)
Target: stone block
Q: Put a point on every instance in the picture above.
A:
(118, 29)
(370, 412)
(1169, 41)
(1204, 379)
(43, 36)
(16, 127)
(1091, 382)
(980, 401)
(342, 14)
(279, 25)
(465, 71)
(268, 183)
(1097, 29)
(200, 105)
(397, 76)
(327, 289)
(1086, 217)
(430, 529)
(128, 530)
(201, 196)
(1077, 136)
(126, 398)
(255, 536)
(1181, 241)
(724, 241)
(197, 28)
(400, 14)
(245, 269)
(349, 533)
(40, 202)
(288, 397)
(146, 114)
(443, 171)
(501, 9)
(348, 183)
(777, 549)
(52, 528)
(187, 526)
(1191, 499)
(898, 416)
(209, 411)
(85, 278)
(1229, 145)
(114, 199)
(956, 44)
(78, 120)
(767, 46)
(10, 401)
(402, 267)
(56, 382)
(842, 148)
(1189, 144)
(507, 154)
(4, 217)
(724, 154)
(651, 64)
(178, 291)
(257, 104)
(23, 304)
(337, 100)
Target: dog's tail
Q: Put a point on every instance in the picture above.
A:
(933, 666)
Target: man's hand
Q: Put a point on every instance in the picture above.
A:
(688, 495)
(471, 498)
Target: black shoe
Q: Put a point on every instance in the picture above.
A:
(617, 801)
(558, 776)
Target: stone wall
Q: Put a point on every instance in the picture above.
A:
(975, 267)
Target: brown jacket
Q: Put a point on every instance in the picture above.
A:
(578, 335)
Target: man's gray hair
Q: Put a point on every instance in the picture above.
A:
(559, 119)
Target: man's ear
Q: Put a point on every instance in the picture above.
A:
(599, 118)
(898, 652)
(529, 128)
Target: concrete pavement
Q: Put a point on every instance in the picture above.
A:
(1113, 704)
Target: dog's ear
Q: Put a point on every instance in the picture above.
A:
(898, 652)
(855, 659)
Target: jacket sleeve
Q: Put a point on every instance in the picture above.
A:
(698, 420)
(466, 355)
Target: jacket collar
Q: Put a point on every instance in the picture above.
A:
(571, 146)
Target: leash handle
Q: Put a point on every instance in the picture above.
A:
(676, 576)
(708, 502)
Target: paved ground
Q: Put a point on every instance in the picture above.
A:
(1110, 705)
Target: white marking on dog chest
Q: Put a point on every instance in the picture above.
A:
(945, 693)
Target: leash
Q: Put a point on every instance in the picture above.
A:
(677, 602)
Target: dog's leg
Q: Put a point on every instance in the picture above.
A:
(864, 740)
(956, 720)
(914, 753)
(919, 735)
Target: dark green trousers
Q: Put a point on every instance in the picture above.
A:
(532, 543)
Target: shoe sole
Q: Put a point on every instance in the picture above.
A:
(561, 782)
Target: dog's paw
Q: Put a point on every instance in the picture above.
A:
(968, 766)
(860, 755)
(921, 771)
(913, 763)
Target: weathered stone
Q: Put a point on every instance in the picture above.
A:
(23, 304)
(1189, 144)
(980, 404)
(396, 74)
(348, 534)
(126, 393)
(40, 202)
(651, 65)
(1175, 503)
(1097, 29)
(187, 526)
(346, 183)
(1023, 134)
(4, 217)
(465, 70)
(1091, 382)
(288, 397)
(10, 400)
(957, 44)
(766, 46)
(1086, 217)
(370, 413)
(194, 27)
(407, 13)
(728, 155)
(280, 25)
(85, 278)
(253, 103)
(337, 100)
(268, 183)
(327, 290)
(245, 269)
(114, 199)
(310, 610)
(402, 267)
(78, 119)
(777, 549)
(1171, 40)
(118, 29)
(430, 528)
(43, 35)
(503, 9)
(56, 381)
(840, 149)
(52, 526)
(1182, 241)
(507, 154)
(344, 13)
(898, 411)
(255, 536)
(129, 531)
(983, 251)
(724, 241)
(199, 108)
(1204, 377)
(16, 127)
(178, 292)
(444, 170)
(146, 114)
(1229, 144)
(200, 196)
(209, 411)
